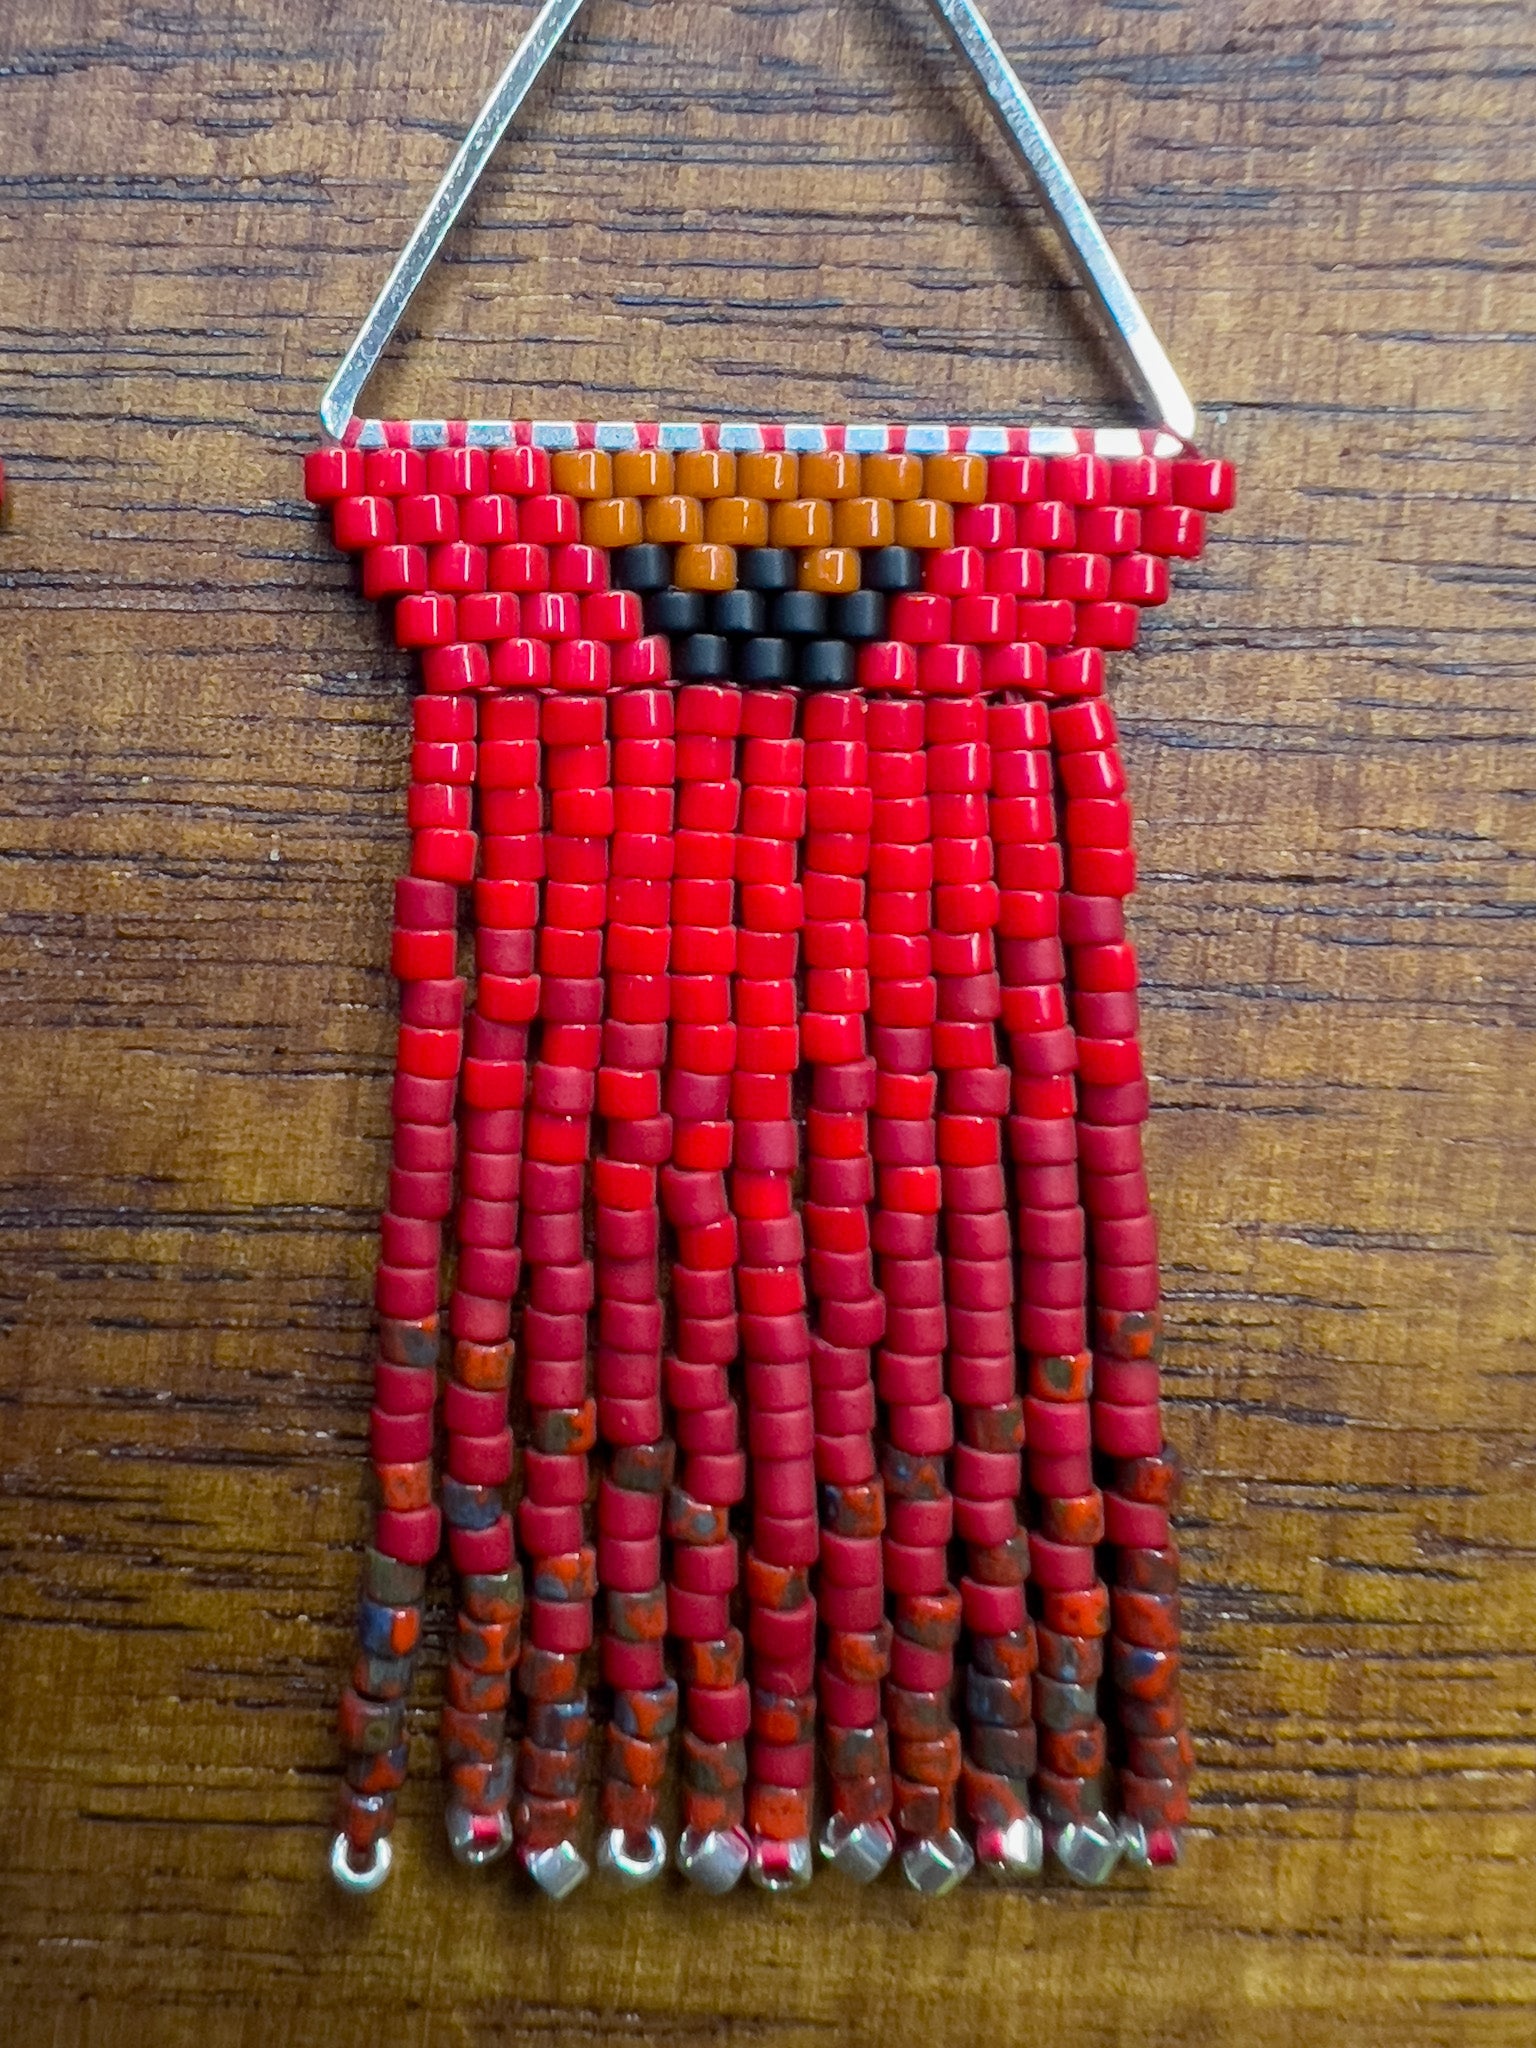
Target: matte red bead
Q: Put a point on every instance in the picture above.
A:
(412, 1535)
(1127, 1432)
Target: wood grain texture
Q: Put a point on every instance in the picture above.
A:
(758, 208)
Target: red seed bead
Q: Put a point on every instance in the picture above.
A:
(332, 473)
(1173, 530)
(395, 471)
(1207, 486)
(393, 571)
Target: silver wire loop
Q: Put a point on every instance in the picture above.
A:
(360, 1879)
(1141, 353)
(1138, 347)
(443, 209)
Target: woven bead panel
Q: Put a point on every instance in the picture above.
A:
(769, 1052)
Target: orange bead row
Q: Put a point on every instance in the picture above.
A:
(677, 520)
(706, 531)
(775, 476)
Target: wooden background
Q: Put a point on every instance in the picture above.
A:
(758, 209)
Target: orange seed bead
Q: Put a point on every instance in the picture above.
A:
(829, 473)
(1061, 1378)
(736, 522)
(711, 1810)
(642, 473)
(833, 570)
(893, 476)
(925, 523)
(672, 519)
(705, 472)
(703, 566)
(482, 1365)
(955, 478)
(582, 472)
(1080, 1520)
(781, 1812)
(768, 473)
(404, 1488)
(801, 523)
(863, 523)
(611, 522)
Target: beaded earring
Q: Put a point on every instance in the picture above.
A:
(793, 1123)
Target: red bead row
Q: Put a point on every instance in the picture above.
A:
(925, 1607)
(1156, 1756)
(478, 1454)
(407, 1523)
(637, 1144)
(771, 1284)
(979, 1286)
(712, 1475)
(849, 1309)
(1053, 1283)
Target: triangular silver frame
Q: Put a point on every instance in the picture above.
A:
(1138, 347)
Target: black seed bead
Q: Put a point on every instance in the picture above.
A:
(675, 611)
(860, 615)
(701, 656)
(826, 664)
(766, 568)
(764, 661)
(799, 614)
(647, 567)
(892, 569)
(738, 611)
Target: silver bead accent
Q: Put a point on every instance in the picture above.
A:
(558, 1870)
(713, 1862)
(780, 1866)
(859, 1849)
(360, 1879)
(1088, 1850)
(1133, 1845)
(477, 1839)
(935, 1864)
(1017, 1850)
(618, 1860)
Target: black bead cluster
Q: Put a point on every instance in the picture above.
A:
(766, 630)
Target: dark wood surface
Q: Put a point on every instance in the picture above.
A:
(765, 210)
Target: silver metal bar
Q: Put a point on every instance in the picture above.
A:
(447, 203)
(1072, 216)
(1141, 351)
